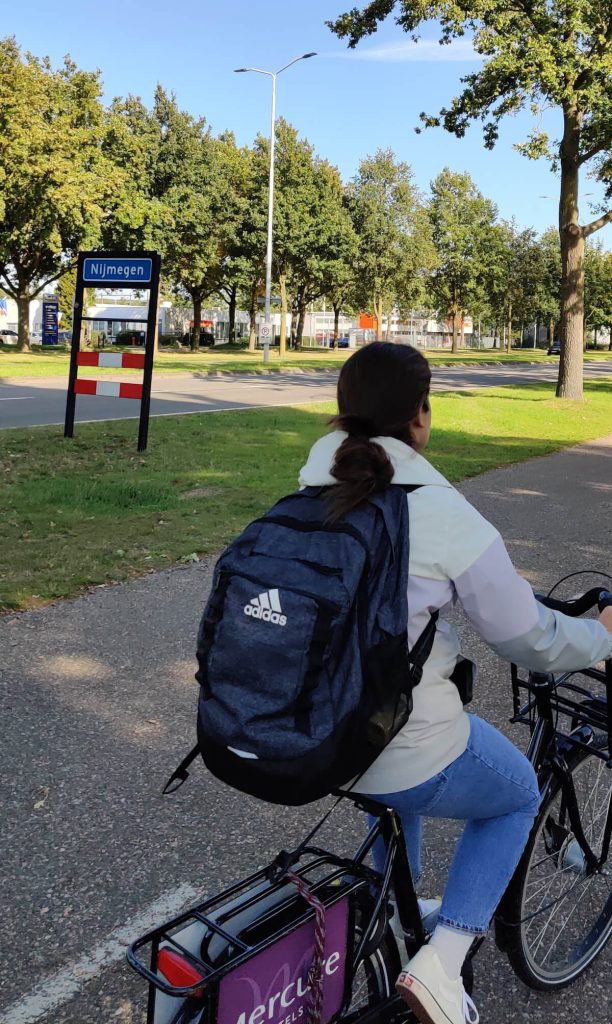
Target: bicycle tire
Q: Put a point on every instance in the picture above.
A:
(517, 922)
(380, 968)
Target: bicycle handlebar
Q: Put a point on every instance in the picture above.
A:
(578, 605)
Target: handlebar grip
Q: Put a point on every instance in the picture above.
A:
(575, 607)
(605, 600)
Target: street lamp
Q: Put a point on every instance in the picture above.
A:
(273, 75)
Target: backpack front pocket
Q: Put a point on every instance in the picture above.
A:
(267, 652)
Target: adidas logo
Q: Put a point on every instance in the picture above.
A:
(266, 607)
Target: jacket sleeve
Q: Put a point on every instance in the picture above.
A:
(501, 606)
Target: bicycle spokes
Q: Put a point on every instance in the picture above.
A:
(566, 905)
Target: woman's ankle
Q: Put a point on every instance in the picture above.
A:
(452, 948)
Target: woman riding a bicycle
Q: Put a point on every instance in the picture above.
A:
(445, 763)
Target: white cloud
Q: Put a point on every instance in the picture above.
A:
(408, 50)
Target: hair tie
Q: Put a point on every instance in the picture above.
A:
(359, 426)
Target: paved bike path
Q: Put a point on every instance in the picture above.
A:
(98, 704)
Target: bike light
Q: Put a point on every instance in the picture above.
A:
(178, 970)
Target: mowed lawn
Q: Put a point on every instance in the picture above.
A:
(91, 510)
(228, 359)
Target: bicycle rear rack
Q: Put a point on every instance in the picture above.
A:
(220, 934)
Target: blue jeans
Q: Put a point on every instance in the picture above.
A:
(493, 788)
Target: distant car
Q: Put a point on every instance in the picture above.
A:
(9, 337)
(554, 349)
(343, 342)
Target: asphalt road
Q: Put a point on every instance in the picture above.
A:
(36, 401)
(98, 698)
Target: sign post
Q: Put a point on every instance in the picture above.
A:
(115, 270)
(265, 337)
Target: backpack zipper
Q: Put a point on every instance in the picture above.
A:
(313, 527)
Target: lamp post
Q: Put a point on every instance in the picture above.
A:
(273, 75)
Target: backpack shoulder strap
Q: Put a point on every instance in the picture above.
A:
(180, 773)
(422, 648)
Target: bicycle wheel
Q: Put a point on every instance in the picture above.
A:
(555, 917)
(374, 980)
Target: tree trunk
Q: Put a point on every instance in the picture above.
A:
(23, 320)
(282, 345)
(569, 384)
(378, 315)
(300, 322)
(253, 318)
(232, 313)
(509, 338)
(336, 323)
(454, 315)
(293, 325)
(197, 318)
(156, 328)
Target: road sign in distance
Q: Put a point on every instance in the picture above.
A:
(265, 332)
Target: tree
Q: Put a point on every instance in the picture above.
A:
(205, 210)
(598, 290)
(295, 200)
(544, 52)
(462, 221)
(514, 276)
(395, 245)
(246, 266)
(55, 178)
(325, 258)
(66, 287)
(181, 198)
(548, 294)
(248, 203)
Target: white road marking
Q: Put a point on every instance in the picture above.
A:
(22, 398)
(63, 986)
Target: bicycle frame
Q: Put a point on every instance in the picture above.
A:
(262, 911)
(548, 746)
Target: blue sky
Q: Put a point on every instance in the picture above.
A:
(347, 103)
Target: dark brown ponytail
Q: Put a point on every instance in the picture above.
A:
(380, 390)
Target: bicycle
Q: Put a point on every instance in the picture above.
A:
(310, 938)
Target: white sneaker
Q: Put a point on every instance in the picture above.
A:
(431, 995)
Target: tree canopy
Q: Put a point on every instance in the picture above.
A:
(395, 244)
(539, 53)
(55, 179)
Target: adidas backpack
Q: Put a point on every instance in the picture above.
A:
(304, 668)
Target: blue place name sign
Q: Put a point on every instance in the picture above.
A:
(117, 270)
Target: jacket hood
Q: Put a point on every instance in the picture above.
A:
(408, 466)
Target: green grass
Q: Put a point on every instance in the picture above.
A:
(91, 510)
(228, 359)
